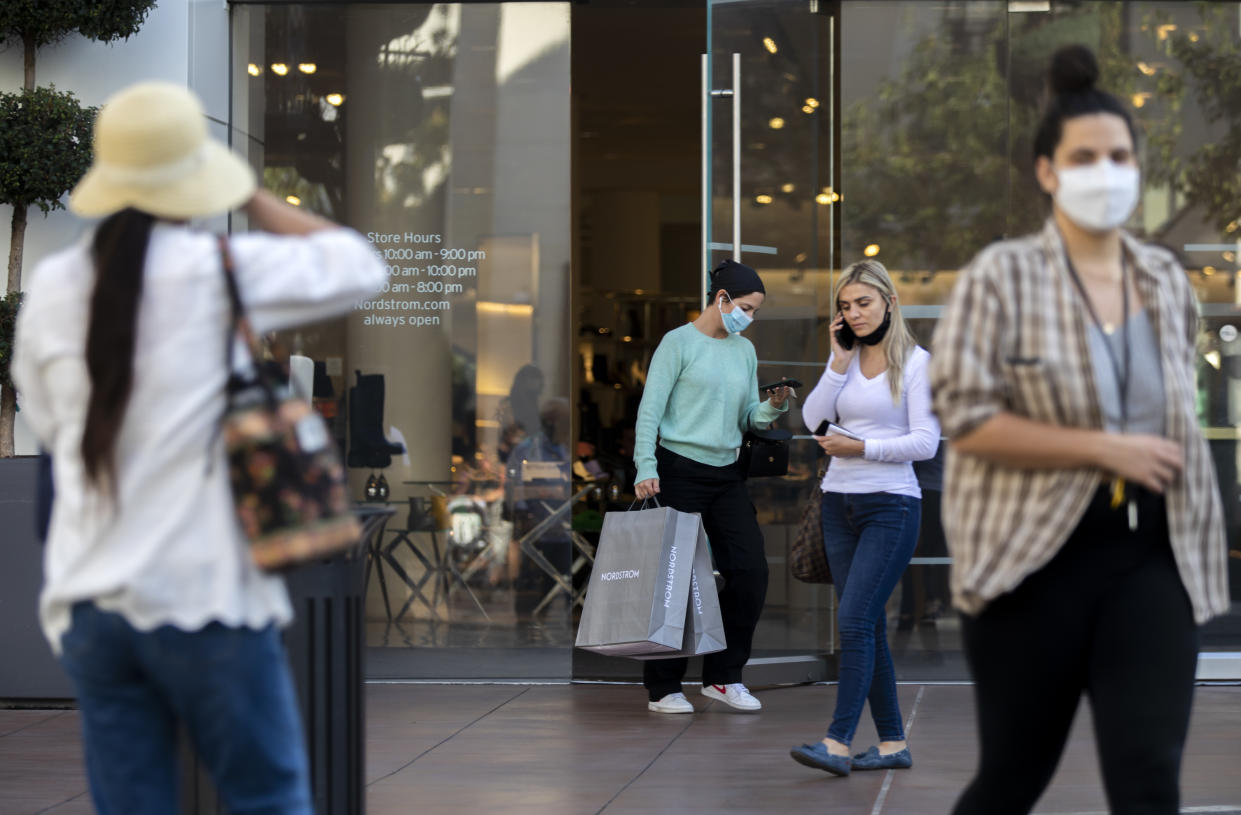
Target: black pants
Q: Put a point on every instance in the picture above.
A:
(728, 515)
(1108, 616)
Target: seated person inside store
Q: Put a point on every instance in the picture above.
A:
(537, 481)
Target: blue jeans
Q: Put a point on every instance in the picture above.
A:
(230, 688)
(869, 538)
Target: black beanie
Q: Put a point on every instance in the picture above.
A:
(732, 276)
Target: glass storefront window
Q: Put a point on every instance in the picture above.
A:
(895, 130)
(441, 132)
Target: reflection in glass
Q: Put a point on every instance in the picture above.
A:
(441, 132)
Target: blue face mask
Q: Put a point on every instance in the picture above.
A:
(735, 321)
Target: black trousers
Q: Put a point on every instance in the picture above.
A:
(728, 515)
(1107, 616)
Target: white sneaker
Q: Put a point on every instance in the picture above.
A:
(672, 703)
(737, 696)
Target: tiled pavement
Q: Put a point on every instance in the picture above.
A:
(553, 749)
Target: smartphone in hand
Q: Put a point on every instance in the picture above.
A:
(845, 336)
(783, 383)
(827, 426)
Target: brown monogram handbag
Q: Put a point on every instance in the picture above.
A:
(807, 558)
(288, 481)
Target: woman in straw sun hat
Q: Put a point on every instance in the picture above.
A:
(151, 600)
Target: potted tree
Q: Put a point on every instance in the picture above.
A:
(45, 147)
(45, 134)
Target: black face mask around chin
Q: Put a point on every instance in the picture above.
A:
(875, 337)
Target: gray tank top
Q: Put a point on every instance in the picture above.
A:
(1146, 399)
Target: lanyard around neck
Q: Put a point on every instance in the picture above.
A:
(1120, 373)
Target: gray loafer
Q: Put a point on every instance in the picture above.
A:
(872, 759)
(816, 755)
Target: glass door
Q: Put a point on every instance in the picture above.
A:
(769, 200)
(819, 152)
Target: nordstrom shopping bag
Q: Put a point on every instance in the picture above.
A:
(704, 625)
(639, 588)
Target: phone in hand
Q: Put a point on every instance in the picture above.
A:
(783, 383)
(845, 336)
(827, 426)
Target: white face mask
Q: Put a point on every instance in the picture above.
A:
(1099, 197)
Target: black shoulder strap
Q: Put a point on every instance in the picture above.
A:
(239, 322)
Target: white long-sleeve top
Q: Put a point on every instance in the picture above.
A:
(896, 435)
(170, 550)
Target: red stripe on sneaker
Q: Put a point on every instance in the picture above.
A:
(721, 689)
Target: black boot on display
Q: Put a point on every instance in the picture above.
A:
(371, 387)
(367, 445)
(362, 452)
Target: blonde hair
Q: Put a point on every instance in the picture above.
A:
(899, 340)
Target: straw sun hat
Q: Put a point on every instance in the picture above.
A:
(152, 153)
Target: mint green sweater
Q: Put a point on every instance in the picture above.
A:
(701, 394)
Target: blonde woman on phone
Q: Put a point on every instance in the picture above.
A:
(871, 412)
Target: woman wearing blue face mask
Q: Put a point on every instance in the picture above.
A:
(1080, 502)
(701, 395)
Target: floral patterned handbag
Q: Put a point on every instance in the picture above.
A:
(288, 482)
(807, 557)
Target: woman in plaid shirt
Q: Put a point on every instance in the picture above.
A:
(1080, 502)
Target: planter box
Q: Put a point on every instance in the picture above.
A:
(28, 670)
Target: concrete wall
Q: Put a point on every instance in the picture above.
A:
(27, 668)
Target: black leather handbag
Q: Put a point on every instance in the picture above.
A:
(765, 453)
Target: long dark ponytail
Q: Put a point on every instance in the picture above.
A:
(119, 254)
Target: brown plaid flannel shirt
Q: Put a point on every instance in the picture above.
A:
(1013, 337)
